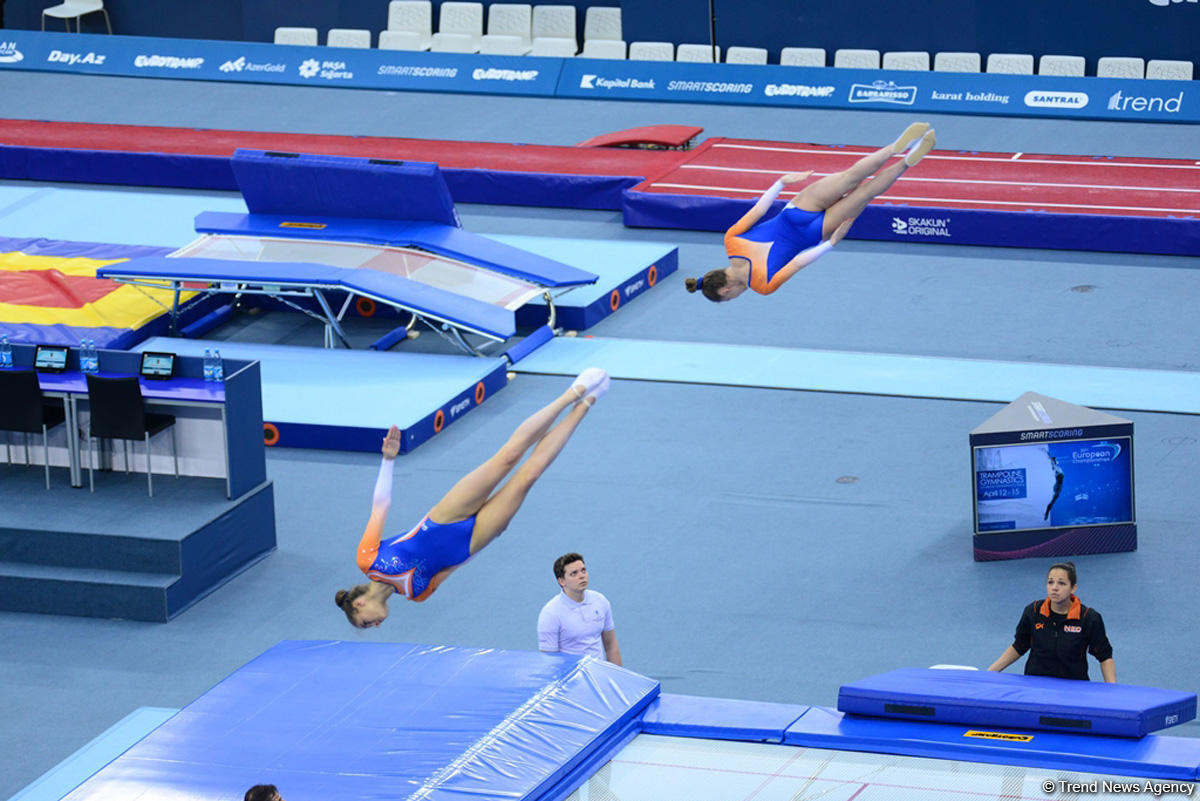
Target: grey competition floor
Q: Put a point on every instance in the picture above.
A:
(756, 544)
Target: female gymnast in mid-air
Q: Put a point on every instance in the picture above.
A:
(471, 515)
(763, 254)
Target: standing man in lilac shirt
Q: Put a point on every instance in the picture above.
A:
(577, 620)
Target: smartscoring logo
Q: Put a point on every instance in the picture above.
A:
(883, 92)
(494, 74)
(169, 62)
(596, 82)
(797, 90)
(1056, 99)
(9, 54)
(1123, 102)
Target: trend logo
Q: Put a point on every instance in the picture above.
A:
(9, 54)
(587, 82)
(309, 67)
(1124, 102)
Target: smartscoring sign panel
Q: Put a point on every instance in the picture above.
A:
(740, 84)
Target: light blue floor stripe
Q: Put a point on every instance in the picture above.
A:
(869, 373)
(354, 388)
(127, 216)
(75, 769)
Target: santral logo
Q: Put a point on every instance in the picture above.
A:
(1043, 99)
(9, 54)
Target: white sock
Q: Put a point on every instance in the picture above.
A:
(589, 378)
(597, 391)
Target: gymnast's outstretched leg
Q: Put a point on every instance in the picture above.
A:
(468, 496)
(827, 191)
(498, 511)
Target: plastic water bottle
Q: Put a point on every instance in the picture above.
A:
(208, 365)
(93, 357)
(85, 360)
(5, 352)
(218, 372)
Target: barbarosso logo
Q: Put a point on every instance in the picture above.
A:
(596, 82)
(1041, 99)
(241, 64)
(9, 54)
(1123, 102)
(169, 62)
(494, 74)
(1096, 454)
(797, 90)
(883, 92)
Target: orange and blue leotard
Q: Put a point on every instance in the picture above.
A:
(414, 562)
(771, 243)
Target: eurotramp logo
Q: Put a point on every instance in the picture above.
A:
(883, 92)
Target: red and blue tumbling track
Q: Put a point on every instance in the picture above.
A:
(1003, 199)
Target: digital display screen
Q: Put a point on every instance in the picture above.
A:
(1053, 484)
(158, 365)
(50, 357)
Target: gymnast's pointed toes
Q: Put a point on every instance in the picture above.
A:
(911, 134)
(921, 148)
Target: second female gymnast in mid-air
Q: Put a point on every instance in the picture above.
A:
(468, 518)
(763, 254)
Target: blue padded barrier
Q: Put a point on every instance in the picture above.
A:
(342, 720)
(429, 301)
(537, 338)
(441, 239)
(1152, 756)
(719, 718)
(342, 186)
(984, 698)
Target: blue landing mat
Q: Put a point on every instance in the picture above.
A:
(869, 373)
(338, 720)
(346, 399)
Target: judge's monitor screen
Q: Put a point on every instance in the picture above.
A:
(1071, 483)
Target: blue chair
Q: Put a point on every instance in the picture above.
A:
(118, 411)
(23, 408)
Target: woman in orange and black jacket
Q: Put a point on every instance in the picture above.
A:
(1059, 632)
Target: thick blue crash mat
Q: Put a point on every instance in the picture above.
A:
(983, 698)
(348, 721)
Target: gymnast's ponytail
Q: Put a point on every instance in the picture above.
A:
(710, 284)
